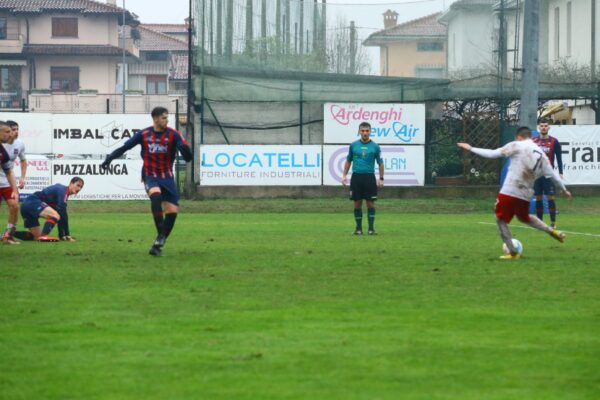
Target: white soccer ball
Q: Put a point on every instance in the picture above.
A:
(518, 245)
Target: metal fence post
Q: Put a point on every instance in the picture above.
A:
(107, 105)
(177, 153)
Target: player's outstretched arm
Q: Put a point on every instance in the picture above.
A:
(549, 172)
(485, 153)
(129, 144)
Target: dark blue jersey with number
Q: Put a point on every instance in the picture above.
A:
(551, 147)
(158, 150)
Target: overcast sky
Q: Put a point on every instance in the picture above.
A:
(366, 13)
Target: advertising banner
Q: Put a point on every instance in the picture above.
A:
(38, 174)
(269, 165)
(65, 134)
(121, 181)
(404, 165)
(580, 153)
(94, 133)
(35, 130)
(398, 124)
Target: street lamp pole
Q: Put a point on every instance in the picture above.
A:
(123, 64)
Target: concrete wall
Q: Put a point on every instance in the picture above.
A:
(98, 73)
(404, 58)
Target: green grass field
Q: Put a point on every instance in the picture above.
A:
(275, 299)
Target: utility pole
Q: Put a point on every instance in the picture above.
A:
(352, 48)
(502, 60)
(124, 72)
(249, 31)
(301, 38)
(263, 30)
(530, 89)
(219, 28)
(315, 43)
(229, 31)
(278, 27)
(288, 26)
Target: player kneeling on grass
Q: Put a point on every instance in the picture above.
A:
(159, 147)
(50, 204)
(527, 163)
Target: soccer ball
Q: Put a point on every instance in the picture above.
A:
(518, 245)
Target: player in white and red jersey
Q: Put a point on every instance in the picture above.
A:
(15, 148)
(527, 163)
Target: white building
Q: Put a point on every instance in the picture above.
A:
(471, 35)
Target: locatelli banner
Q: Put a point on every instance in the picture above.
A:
(66, 134)
(260, 165)
(121, 181)
(404, 165)
(580, 153)
(397, 124)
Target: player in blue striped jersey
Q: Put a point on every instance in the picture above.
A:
(159, 145)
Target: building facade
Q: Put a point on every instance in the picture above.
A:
(415, 48)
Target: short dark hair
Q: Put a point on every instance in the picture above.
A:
(2, 123)
(158, 111)
(544, 121)
(11, 123)
(524, 131)
(76, 179)
(364, 124)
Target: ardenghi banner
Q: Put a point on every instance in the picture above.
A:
(398, 124)
(580, 153)
(403, 165)
(260, 165)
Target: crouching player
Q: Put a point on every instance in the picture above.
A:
(50, 204)
(159, 145)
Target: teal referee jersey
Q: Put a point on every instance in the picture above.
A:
(363, 156)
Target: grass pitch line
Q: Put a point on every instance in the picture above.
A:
(528, 227)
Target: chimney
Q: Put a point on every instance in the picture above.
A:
(390, 19)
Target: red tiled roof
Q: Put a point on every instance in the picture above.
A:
(179, 65)
(427, 26)
(80, 6)
(74, 50)
(167, 28)
(152, 40)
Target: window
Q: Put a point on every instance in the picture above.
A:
(64, 27)
(430, 46)
(556, 33)
(3, 33)
(569, 16)
(156, 84)
(156, 56)
(64, 79)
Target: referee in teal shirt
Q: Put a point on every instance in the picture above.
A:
(363, 185)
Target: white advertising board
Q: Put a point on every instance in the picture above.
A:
(404, 165)
(66, 134)
(223, 165)
(580, 153)
(121, 181)
(94, 133)
(397, 124)
(38, 174)
(35, 129)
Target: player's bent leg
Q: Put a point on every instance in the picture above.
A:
(171, 211)
(52, 219)
(506, 236)
(554, 233)
(539, 206)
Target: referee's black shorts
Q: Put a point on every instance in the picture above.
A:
(363, 187)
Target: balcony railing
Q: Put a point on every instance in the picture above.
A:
(104, 103)
(10, 99)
